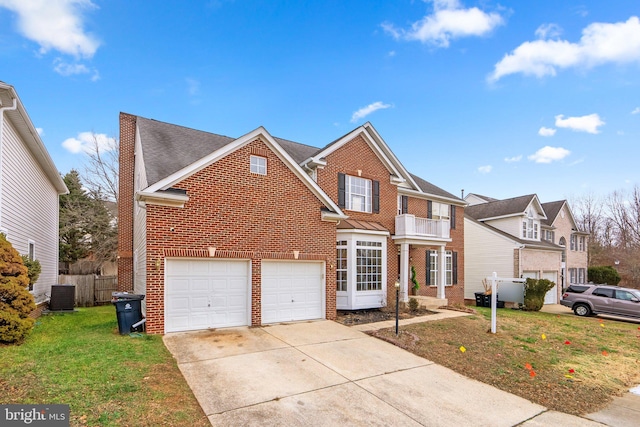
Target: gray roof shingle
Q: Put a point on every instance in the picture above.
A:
(499, 208)
(552, 209)
(168, 148)
(429, 188)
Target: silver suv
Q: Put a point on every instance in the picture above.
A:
(586, 300)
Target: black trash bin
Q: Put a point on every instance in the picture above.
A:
(128, 310)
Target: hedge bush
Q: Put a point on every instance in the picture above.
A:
(603, 274)
(16, 303)
(534, 292)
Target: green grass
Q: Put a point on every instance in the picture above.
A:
(578, 363)
(107, 379)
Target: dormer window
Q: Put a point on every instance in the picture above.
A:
(258, 165)
(530, 227)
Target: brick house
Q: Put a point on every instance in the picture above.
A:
(218, 231)
(522, 237)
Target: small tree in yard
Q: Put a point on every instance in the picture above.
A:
(605, 274)
(15, 300)
(534, 292)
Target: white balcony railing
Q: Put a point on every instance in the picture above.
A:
(410, 226)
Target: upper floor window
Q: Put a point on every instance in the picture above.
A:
(573, 243)
(438, 210)
(530, 229)
(548, 235)
(358, 194)
(258, 165)
(581, 243)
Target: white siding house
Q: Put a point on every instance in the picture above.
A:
(29, 188)
(506, 237)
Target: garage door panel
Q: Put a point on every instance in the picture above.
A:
(292, 291)
(201, 294)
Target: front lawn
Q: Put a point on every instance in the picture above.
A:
(107, 379)
(565, 363)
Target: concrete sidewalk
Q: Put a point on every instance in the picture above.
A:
(324, 373)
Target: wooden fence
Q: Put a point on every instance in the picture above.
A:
(91, 289)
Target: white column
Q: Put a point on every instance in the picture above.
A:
(442, 276)
(404, 272)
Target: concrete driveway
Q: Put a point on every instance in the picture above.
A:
(324, 373)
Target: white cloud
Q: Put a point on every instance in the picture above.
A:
(485, 169)
(66, 69)
(543, 131)
(546, 31)
(365, 111)
(549, 154)
(449, 21)
(40, 131)
(86, 142)
(600, 43)
(636, 111)
(193, 86)
(513, 159)
(55, 25)
(589, 123)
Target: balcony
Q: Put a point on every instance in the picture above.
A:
(409, 226)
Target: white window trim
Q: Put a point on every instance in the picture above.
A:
(352, 237)
(435, 272)
(258, 165)
(349, 195)
(30, 244)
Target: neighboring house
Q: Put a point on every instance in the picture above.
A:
(218, 231)
(29, 188)
(521, 237)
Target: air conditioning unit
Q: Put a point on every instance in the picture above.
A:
(63, 297)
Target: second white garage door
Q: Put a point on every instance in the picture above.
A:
(204, 293)
(292, 291)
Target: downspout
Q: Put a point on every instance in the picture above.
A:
(2, 110)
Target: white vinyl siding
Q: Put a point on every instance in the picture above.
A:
(511, 225)
(139, 230)
(484, 252)
(29, 208)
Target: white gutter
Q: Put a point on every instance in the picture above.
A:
(2, 110)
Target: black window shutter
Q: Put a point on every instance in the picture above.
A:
(429, 209)
(405, 204)
(341, 192)
(376, 196)
(454, 262)
(428, 280)
(453, 217)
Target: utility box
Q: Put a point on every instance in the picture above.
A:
(63, 297)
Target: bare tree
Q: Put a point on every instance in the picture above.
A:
(100, 174)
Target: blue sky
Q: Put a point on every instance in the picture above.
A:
(501, 98)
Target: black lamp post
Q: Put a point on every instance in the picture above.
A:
(397, 304)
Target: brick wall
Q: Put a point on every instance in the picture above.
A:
(354, 156)
(125, 202)
(242, 215)
(418, 254)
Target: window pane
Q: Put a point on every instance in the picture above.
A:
(358, 194)
(368, 266)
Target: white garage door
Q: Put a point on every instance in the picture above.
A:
(292, 291)
(552, 296)
(204, 293)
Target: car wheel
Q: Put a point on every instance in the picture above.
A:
(581, 310)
